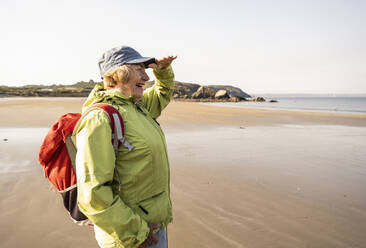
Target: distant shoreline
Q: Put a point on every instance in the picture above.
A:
(321, 104)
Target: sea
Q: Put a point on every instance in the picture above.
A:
(332, 104)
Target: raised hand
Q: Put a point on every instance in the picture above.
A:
(162, 63)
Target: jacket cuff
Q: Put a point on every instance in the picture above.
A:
(143, 233)
(136, 241)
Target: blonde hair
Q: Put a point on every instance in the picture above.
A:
(120, 74)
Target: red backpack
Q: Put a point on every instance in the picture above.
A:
(58, 151)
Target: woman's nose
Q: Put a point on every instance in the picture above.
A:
(145, 76)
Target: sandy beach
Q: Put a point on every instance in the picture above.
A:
(240, 177)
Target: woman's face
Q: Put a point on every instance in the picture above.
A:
(137, 80)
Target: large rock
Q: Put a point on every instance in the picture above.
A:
(183, 89)
(260, 99)
(191, 90)
(235, 99)
(231, 91)
(204, 92)
(221, 94)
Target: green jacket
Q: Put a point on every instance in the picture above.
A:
(120, 216)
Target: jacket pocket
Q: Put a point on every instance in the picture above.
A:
(154, 209)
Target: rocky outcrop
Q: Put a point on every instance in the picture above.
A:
(260, 99)
(235, 99)
(185, 90)
(231, 91)
(182, 91)
(221, 94)
(204, 92)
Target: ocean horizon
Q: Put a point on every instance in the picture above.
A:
(330, 104)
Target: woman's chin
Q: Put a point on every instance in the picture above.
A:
(139, 93)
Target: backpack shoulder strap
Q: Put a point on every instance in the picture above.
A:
(117, 125)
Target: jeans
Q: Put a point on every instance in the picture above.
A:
(162, 239)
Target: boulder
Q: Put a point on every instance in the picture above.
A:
(260, 99)
(221, 94)
(204, 92)
(231, 91)
(235, 99)
(185, 89)
(273, 101)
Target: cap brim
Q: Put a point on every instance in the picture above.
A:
(145, 60)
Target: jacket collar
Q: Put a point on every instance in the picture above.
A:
(99, 94)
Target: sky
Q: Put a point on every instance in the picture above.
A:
(263, 46)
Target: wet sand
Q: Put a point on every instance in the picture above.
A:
(240, 177)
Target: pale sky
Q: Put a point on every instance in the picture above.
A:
(263, 46)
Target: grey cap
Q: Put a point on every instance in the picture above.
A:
(119, 56)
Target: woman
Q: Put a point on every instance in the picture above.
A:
(127, 195)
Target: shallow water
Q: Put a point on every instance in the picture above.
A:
(323, 162)
(19, 148)
(355, 105)
(304, 160)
